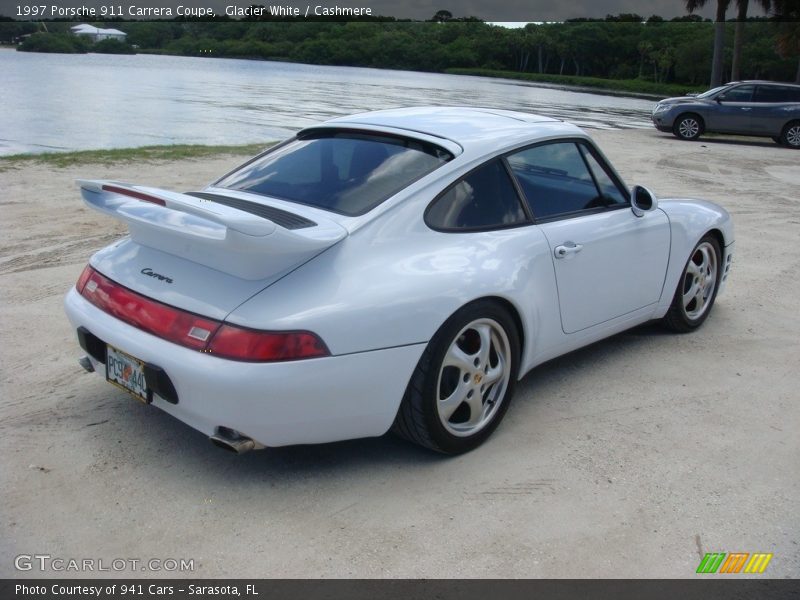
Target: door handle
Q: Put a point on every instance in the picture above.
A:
(567, 249)
(746, 108)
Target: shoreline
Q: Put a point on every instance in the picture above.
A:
(166, 152)
(594, 85)
(625, 88)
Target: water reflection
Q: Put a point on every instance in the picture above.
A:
(69, 102)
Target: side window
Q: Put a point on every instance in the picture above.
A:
(776, 93)
(484, 199)
(555, 180)
(610, 191)
(740, 93)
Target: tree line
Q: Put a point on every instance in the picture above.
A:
(786, 13)
(621, 47)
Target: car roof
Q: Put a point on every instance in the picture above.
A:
(469, 127)
(763, 82)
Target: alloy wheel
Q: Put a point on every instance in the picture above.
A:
(793, 136)
(473, 377)
(699, 281)
(689, 128)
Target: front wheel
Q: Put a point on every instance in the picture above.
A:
(464, 381)
(697, 287)
(688, 127)
(791, 135)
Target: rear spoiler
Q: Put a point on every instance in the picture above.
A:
(222, 237)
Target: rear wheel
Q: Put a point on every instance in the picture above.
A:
(791, 135)
(688, 127)
(697, 287)
(464, 381)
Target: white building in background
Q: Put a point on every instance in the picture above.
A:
(97, 34)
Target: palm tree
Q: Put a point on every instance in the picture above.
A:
(719, 36)
(787, 13)
(738, 37)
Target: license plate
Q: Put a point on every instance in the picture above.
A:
(126, 372)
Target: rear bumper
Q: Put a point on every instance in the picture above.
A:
(276, 404)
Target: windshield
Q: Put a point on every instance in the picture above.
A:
(710, 93)
(348, 172)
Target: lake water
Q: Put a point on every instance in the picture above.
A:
(56, 102)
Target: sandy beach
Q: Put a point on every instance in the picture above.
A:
(630, 458)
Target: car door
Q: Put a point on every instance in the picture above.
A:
(733, 111)
(607, 262)
(773, 108)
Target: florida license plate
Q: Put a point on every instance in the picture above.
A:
(126, 372)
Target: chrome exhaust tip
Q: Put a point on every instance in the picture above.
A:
(86, 364)
(232, 441)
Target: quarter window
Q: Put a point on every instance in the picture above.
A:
(484, 199)
(556, 181)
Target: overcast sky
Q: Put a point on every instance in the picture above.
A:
(487, 10)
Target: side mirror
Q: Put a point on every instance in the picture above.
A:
(642, 201)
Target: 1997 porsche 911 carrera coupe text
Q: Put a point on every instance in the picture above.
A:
(398, 269)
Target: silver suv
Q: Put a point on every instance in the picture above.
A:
(761, 108)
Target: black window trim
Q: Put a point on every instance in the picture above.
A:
(515, 186)
(603, 165)
(520, 193)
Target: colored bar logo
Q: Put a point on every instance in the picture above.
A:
(722, 562)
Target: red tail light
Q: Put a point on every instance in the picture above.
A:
(247, 344)
(194, 331)
(85, 274)
(148, 315)
(134, 194)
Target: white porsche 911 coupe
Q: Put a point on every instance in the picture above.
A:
(398, 269)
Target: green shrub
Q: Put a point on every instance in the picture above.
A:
(61, 43)
(112, 46)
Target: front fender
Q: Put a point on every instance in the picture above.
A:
(689, 221)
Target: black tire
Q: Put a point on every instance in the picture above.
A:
(688, 127)
(684, 316)
(790, 136)
(419, 419)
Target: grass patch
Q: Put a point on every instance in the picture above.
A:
(624, 86)
(119, 155)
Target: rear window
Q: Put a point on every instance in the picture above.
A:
(342, 171)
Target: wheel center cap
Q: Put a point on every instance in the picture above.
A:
(478, 378)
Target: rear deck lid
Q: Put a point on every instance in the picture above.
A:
(203, 252)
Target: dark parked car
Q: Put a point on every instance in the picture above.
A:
(760, 108)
